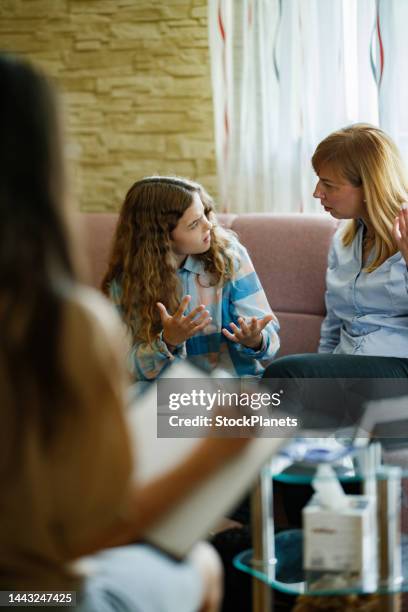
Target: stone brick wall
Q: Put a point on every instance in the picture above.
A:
(135, 77)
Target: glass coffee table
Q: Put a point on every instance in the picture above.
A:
(276, 561)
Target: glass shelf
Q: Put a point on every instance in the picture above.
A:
(303, 474)
(348, 468)
(286, 573)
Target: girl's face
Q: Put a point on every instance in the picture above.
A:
(339, 197)
(191, 235)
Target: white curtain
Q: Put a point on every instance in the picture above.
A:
(393, 87)
(285, 74)
(244, 83)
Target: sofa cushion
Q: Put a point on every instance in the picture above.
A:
(290, 255)
(299, 333)
(98, 230)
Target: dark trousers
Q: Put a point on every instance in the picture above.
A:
(327, 365)
(328, 391)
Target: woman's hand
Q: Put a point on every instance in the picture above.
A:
(178, 328)
(206, 560)
(400, 231)
(249, 333)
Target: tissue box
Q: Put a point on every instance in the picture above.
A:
(341, 541)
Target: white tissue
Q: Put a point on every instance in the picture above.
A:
(328, 488)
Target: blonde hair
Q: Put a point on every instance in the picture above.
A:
(142, 260)
(367, 157)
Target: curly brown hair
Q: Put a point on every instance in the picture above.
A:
(142, 260)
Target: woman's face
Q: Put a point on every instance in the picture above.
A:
(339, 197)
(192, 235)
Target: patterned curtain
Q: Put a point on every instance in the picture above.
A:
(392, 69)
(285, 74)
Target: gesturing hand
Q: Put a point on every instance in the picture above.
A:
(178, 328)
(400, 231)
(249, 332)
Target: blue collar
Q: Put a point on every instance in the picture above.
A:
(192, 264)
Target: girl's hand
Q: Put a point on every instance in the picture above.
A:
(249, 333)
(400, 231)
(178, 328)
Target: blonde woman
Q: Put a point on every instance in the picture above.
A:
(361, 180)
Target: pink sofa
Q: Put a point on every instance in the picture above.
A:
(289, 253)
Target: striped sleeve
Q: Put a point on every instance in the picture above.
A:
(146, 361)
(247, 299)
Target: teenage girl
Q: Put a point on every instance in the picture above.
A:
(186, 287)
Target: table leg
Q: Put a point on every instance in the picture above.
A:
(263, 541)
(391, 603)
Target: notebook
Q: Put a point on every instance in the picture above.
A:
(199, 512)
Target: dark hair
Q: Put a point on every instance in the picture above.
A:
(35, 258)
